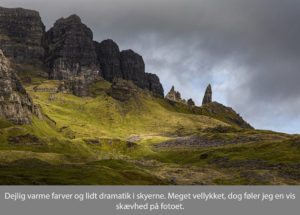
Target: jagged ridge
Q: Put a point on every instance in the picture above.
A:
(69, 52)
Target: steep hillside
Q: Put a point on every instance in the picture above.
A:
(139, 140)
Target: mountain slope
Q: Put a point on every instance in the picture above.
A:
(151, 139)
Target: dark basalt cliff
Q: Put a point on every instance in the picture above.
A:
(15, 104)
(127, 65)
(108, 55)
(133, 67)
(21, 33)
(154, 84)
(70, 50)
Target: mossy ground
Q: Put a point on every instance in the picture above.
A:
(83, 141)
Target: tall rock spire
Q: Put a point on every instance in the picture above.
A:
(207, 96)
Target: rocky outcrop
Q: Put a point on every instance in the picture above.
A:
(174, 96)
(225, 114)
(205, 142)
(15, 104)
(155, 85)
(207, 96)
(70, 50)
(127, 65)
(109, 58)
(123, 90)
(190, 102)
(77, 86)
(133, 68)
(21, 33)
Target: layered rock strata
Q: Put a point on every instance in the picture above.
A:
(15, 104)
(21, 33)
(70, 50)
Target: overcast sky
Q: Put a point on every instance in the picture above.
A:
(249, 50)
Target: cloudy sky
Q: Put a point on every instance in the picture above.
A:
(249, 50)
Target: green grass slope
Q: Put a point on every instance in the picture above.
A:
(100, 140)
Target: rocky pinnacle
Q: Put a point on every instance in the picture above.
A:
(207, 96)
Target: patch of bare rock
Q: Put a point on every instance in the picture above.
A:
(200, 141)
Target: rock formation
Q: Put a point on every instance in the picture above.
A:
(21, 33)
(127, 65)
(226, 114)
(190, 102)
(133, 68)
(155, 85)
(207, 96)
(174, 96)
(108, 55)
(70, 50)
(77, 86)
(15, 104)
(123, 90)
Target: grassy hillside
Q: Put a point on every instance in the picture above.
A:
(145, 140)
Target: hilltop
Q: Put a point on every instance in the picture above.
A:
(78, 111)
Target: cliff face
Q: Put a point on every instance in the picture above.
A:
(21, 33)
(15, 104)
(154, 84)
(127, 65)
(70, 51)
(133, 67)
(108, 54)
